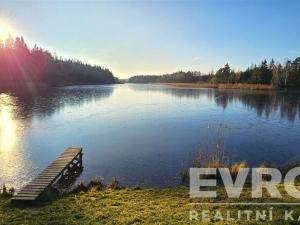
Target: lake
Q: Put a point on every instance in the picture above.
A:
(145, 135)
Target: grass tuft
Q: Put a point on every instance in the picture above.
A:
(115, 184)
(97, 183)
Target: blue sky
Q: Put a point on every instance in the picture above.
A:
(156, 37)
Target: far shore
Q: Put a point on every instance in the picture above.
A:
(225, 86)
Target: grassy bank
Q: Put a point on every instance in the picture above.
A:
(224, 86)
(124, 206)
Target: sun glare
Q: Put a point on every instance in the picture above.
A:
(7, 124)
(5, 29)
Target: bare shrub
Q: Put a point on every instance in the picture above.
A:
(97, 183)
(115, 184)
(213, 155)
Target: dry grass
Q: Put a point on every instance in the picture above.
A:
(237, 166)
(193, 85)
(247, 86)
(225, 86)
(210, 159)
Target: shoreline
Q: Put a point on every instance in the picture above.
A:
(224, 86)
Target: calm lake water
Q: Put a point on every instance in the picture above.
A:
(143, 134)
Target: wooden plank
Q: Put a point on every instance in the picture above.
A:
(41, 182)
(73, 150)
(36, 192)
(45, 173)
(56, 166)
(29, 192)
(60, 163)
(66, 161)
(43, 178)
(68, 152)
(28, 195)
(37, 187)
(59, 166)
(52, 169)
(32, 186)
(48, 174)
(34, 196)
(69, 157)
(34, 189)
(23, 198)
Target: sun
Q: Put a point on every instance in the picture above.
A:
(5, 29)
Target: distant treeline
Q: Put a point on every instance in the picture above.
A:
(277, 74)
(21, 65)
(177, 77)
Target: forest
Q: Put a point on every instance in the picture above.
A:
(21, 65)
(286, 74)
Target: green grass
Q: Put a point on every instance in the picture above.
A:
(124, 206)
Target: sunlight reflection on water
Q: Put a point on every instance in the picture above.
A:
(14, 166)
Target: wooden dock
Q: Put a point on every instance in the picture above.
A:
(65, 164)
